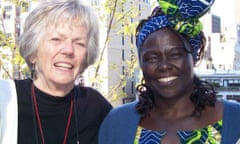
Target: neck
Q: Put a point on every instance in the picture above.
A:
(173, 109)
(38, 118)
(53, 89)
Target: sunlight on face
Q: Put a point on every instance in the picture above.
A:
(61, 55)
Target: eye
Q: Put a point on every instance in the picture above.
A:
(176, 53)
(81, 44)
(151, 58)
(56, 39)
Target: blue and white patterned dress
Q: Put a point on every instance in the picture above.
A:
(207, 135)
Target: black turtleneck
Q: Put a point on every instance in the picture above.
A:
(89, 109)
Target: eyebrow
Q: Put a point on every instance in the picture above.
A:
(184, 48)
(77, 38)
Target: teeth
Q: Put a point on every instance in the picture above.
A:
(64, 65)
(167, 79)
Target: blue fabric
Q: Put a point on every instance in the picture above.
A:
(187, 9)
(231, 121)
(182, 16)
(120, 126)
(152, 25)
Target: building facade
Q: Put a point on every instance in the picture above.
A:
(221, 28)
(10, 30)
(120, 52)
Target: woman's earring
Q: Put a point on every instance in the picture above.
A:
(142, 86)
(33, 69)
(143, 81)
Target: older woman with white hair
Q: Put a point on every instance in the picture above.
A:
(59, 41)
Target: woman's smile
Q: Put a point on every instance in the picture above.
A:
(167, 79)
(63, 65)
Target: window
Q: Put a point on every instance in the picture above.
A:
(8, 8)
(95, 2)
(123, 39)
(140, 10)
(216, 24)
(123, 70)
(131, 38)
(123, 55)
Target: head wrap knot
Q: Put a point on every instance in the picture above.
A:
(185, 14)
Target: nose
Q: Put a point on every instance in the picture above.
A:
(164, 64)
(68, 48)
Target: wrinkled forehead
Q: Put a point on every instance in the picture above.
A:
(66, 19)
(62, 22)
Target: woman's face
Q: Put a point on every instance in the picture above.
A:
(167, 66)
(61, 56)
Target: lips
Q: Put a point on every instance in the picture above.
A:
(167, 79)
(64, 65)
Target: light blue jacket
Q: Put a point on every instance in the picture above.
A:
(120, 126)
(8, 112)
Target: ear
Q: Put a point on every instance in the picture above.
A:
(32, 59)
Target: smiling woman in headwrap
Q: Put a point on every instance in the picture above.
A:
(174, 105)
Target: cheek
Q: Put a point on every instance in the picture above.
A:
(186, 64)
(46, 50)
(146, 68)
(149, 72)
(187, 71)
(82, 57)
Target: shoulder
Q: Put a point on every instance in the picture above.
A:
(23, 84)
(115, 124)
(125, 111)
(231, 104)
(5, 83)
(7, 87)
(92, 97)
(128, 107)
(23, 87)
(231, 130)
(231, 107)
(231, 114)
(91, 94)
(89, 91)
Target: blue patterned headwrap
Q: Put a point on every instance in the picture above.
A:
(182, 16)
